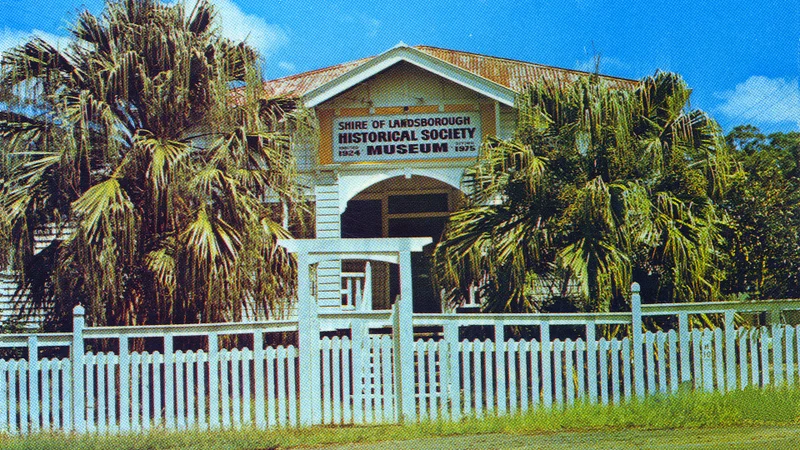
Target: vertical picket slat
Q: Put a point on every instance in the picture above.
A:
(569, 370)
(777, 359)
(661, 341)
(789, 342)
(177, 366)
(534, 374)
(280, 376)
(524, 354)
(432, 387)
(135, 391)
(247, 356)
(291, 355)
(466, 375)
(44, 371)
(5, 405)
(616, 346)
(558, 372)
(111, 391)
(765, 341)
(336, 361)
(547, 372)
(236, 392)
(146, 416)
(626, 367)
(743, 366)
(421, 375)
(347, 374)
(100, 364)
(12, 396)
(271, 381)
(672, 337)
(327, 409)
(478, 380)
(649, 345)
(191, 386)
(580, 358)
(224, 388)
(89, 394)
(158, 360)
(488, 376)
(512, 355)
(719, 359)
(708, 361)
(603, 350)
(697, 353)
(386, 377)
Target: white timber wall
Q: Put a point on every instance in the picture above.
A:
(328, 216)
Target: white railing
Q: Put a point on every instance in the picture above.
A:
(366, 378)
(357, 289)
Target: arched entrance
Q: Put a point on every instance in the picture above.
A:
(414, 206)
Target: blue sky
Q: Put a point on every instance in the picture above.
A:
(742, 58)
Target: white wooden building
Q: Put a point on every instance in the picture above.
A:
(396, 132)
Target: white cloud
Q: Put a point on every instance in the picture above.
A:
(238, 26)
(287, 66)
(764, 100)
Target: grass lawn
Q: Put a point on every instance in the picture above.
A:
(743, 419)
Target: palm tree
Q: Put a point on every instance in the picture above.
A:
(149, 141)
(598, 184)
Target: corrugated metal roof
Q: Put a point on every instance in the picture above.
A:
(510, 73)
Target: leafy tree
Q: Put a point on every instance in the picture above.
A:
(132, 142)
(598, 188)
(764, 255)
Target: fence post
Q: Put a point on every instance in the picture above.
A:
(454, 382)
(730, 350)
(78, 392)
(308, 329)
(685, 337)
(33, 382)
(169, 382)
(500, 367)
(359, 336)
(125, 385)
(547, 371)
(258, 373)
(636, 325)
(213, 381)
(591, 359)
(403, 335)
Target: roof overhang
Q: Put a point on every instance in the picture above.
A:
(420, 59)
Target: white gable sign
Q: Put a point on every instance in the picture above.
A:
(406, 137)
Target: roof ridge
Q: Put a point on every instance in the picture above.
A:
(501, 58)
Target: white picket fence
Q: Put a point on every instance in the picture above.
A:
(358, 379)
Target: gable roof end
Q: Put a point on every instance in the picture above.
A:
(414, 56)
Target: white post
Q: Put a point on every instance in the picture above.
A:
(685, 338)
(213, 380)
(33, 382)
(636, 326)
(169, 381)
(78, 391)
(591, 359)
(454, 382)
(367, 294)
(308, 329)
(359, 334)
(730, 349)
(404, 342)
(258, 373)
(547, 371)
(500, 366)
(125, 385)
